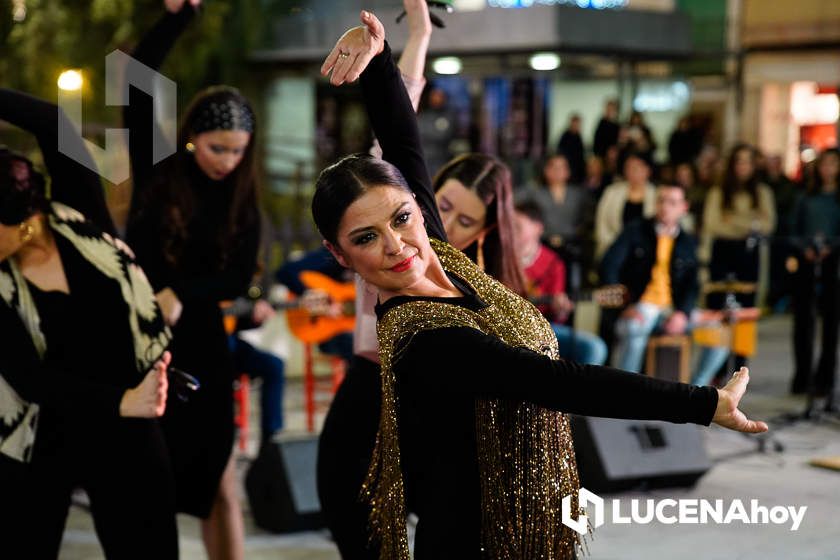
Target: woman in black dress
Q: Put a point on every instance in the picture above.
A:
(83, 367)
(194, 226)
(475, 448)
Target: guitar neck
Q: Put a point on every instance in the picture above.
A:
(608, 297)
(546, 300)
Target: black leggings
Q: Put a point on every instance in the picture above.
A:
(344, 452)
(125, 471)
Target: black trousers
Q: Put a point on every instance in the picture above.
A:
(813, 296)
(123, 467)
(344, 453)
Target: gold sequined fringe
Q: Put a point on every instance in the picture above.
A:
(525, 454)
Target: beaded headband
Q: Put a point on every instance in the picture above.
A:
(225, 115)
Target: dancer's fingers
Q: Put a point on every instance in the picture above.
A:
(330, 61)
(359, 66)
(339, 73)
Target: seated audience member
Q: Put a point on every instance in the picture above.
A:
(566, 209)
(624, 202)
(545, 276)
(657, 261)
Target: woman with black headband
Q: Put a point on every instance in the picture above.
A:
(82, 381)
(194, 225)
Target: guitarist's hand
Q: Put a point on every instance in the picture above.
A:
(317, 302)
(562, 306)
(262, 312)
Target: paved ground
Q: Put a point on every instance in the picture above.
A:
(773, 478)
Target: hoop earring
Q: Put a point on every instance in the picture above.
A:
(190, 147)
(27, 232)
(479, 257)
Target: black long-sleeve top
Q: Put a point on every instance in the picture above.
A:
(72, 183)
(90, 358)
(437, 396)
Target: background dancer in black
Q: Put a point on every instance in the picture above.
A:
(194, 225)
(82, 373)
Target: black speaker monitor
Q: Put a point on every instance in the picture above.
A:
(614, 455)
(281, 486)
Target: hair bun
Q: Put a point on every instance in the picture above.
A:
(19, 199)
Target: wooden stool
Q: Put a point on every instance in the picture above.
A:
(669, 357)
(310, 382)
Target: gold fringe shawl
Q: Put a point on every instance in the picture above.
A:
(525, 454)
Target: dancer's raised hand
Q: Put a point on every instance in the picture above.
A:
(354, 50)
(727, 413)
(417, 14)
(175, 6)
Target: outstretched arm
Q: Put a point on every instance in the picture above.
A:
(497, 370)
(413, 58)
(74, 183)
(389, 108)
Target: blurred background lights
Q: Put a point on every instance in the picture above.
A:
(70, 80)
(545, 61)
(447, 65)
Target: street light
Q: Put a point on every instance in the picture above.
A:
(70, 80)
(545, 61)
(447, 65)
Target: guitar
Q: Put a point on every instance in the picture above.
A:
(315, 326)
(310, 318)
(614, 296)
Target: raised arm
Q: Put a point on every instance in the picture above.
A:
(74, 183)
(497, 370)
(389, 107)
(139, 115)
(413, 58)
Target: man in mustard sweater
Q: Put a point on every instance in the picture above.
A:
(657, 261)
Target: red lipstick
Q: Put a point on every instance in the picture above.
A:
(404, 265)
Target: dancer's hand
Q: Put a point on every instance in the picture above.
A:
(354, 50)
(170, 306)
(148, 400)
(417, 14)
(727, 413)
(175, 6)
